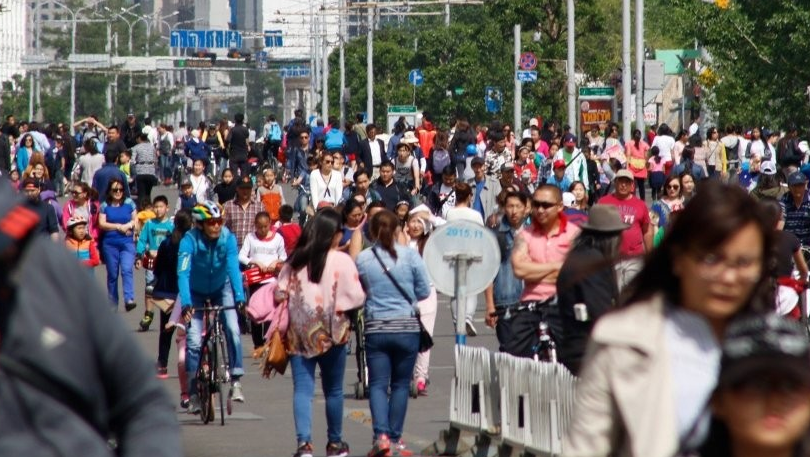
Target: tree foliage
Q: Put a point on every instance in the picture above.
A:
(757, 55)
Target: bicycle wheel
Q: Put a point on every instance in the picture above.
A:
(205, 384)
(222, 377)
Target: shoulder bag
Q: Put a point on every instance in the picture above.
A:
(425, 339)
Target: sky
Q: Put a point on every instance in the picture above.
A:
(293, 18)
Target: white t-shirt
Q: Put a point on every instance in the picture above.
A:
(376, 154)
(264, 251)
(200, 185)
(665, 144)
(758, 148)
(693, 129)
(463, 213)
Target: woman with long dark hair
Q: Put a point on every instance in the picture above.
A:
(395, 279)
(320, 284)
(117, 220)
(586, 284)
(651, 366)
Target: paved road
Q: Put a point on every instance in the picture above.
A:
(263, 426)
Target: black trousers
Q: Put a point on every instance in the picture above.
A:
(144, 184)
(165, 338)
(522, 338)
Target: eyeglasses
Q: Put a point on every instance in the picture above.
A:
(117, 189)
(213, 222)
(536, 204)
(330, 162)
(75, 192)
(304, 136)
(761, 387)
(674, 187)
(713, 265)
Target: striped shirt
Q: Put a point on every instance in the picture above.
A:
(405, 325)
(239, 219)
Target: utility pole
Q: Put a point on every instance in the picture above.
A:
(370, 65)
(342, 34)
(447, 14)
(572, 80)
(324, 69)
(640, 65)
(626, 75)
(518, 85)
(313, 62)
(38, 30)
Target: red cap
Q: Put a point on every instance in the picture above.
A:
(559, 164)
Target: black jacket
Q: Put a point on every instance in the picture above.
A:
(365, 155)
(391, 194)
(585, 277)
(5, 154)
(61, 326)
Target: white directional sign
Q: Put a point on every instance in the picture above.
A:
(526, 76)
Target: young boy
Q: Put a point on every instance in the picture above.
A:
(558, 178)
(187, 199)
(154, 232)
(288, 230)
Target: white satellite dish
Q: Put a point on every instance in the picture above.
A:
(472, 248)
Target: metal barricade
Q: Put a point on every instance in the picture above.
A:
(472, 406)
(537, 400)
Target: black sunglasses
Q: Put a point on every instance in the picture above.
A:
(541, 204)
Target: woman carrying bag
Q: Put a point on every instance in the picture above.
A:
(320, 284)
(395, 279)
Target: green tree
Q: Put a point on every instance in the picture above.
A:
(757, 56)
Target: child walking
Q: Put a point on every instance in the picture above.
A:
(79, 241)
(154, 231)
(165, 293)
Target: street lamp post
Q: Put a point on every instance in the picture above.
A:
(73, 21)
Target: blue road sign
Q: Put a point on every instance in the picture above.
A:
(526, 76)
(273, 39)
(294, 72)
(206, 39)
(493, 98)
(416, 78)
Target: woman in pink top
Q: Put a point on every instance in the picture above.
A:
(637, 160)
(320, 284)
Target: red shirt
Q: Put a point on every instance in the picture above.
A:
(290, 232)
(634, 212)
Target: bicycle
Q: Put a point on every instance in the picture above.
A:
(214, 371)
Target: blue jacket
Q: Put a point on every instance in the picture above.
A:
(197, 150)
(296, 162)
(101, 180)
(203, 265)
(153, 234)
(506, 287)
(334, 139)
(383, 300)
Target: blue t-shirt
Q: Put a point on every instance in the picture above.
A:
(477, 204)
(121, 214)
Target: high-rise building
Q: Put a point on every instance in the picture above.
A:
(12, 37)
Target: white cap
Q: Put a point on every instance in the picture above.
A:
(569, 199)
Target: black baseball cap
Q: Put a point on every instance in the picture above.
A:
(245, 182)
(764, 344)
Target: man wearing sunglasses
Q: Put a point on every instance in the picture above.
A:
(208, 269)
(537, 256)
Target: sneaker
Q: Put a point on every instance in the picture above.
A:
(304, 450)
(421, 388)
(381, 447)
(471, 331)
(148, 316)
(399, 449)
(194, 404)
(236, 392)
(184, 401)
(340, 449)
(129, 306)
(162, 372)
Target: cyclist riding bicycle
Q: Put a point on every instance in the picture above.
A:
(208, 270)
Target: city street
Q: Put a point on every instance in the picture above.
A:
(263, 426)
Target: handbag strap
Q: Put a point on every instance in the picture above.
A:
(396, 284)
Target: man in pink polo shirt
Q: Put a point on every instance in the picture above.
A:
(636, 240)
(539, 252)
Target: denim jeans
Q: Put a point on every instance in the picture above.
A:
(119, 255)
(390, 358)
(195, 330)
(166, 168)
(333, 366)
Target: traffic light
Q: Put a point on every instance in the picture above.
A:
(203, 54)
(237, 54)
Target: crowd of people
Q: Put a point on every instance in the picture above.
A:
(643, 298)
